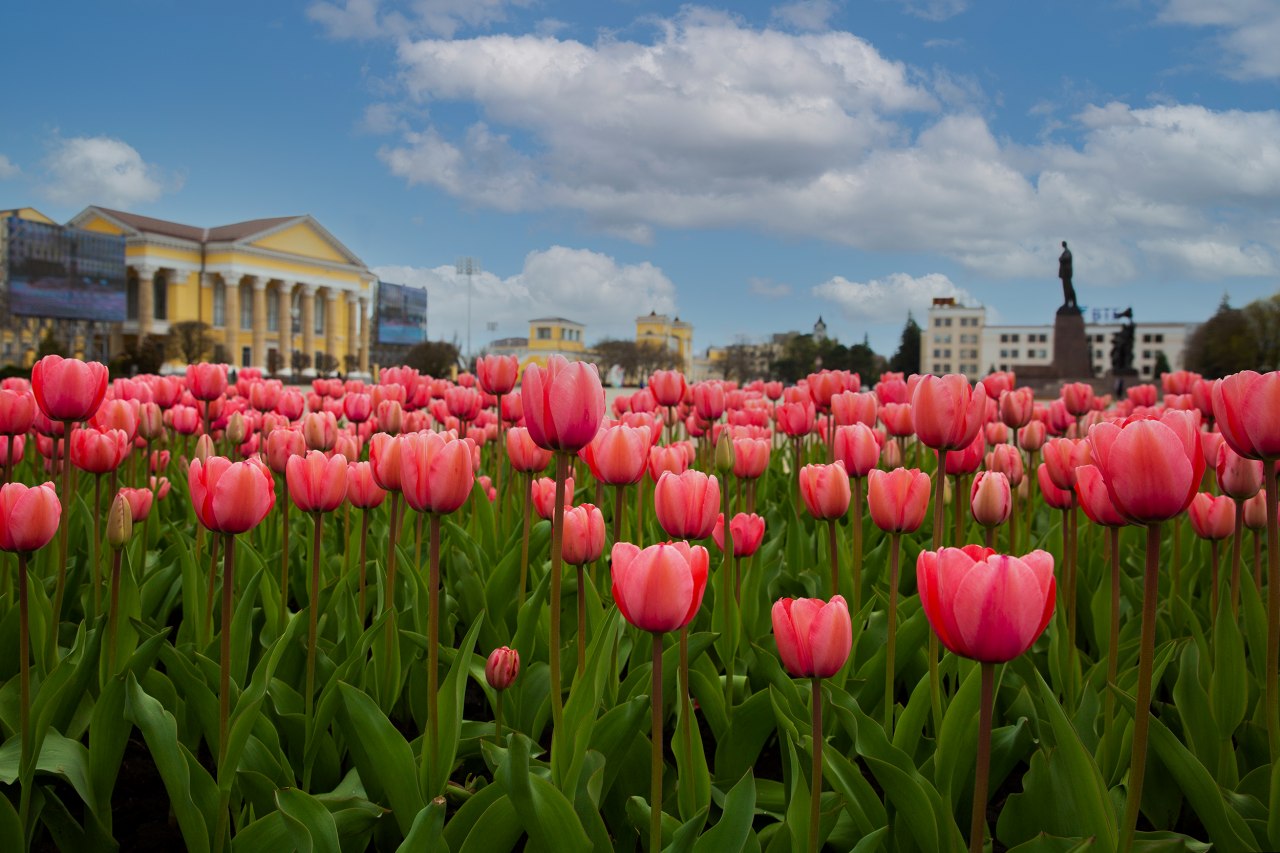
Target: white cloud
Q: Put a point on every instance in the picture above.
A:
(8, 168)
(768, 288)
(713, 124)
(585, 286)
(368, 19)
(805, 14)
(381, 118)
(883, 299)
(100, 170)
(1249, 29)
(934, 10)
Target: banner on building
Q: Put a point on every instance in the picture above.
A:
(402, 314)
(66, 273)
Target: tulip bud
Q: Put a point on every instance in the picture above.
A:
(150, 421)
(724, 454)
(119, 523)
(204, 447)
(237, 429)
(990, 499)
(502, 668)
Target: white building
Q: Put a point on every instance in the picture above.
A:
(948, 343)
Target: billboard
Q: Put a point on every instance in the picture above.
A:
(53, 271)
(401, 315)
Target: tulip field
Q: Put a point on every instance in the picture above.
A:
(496, 613)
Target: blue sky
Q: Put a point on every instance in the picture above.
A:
(748, 166)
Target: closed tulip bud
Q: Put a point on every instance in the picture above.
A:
(898, 499)
(1032, 436)
(967, 459)
(140, 501)
(747, 530)
(150, 421)
(11, 448)
(1255, 511)
(1016, 407)
(1077, 397)
(851, 407)
(724, 455)
(1210, 443)
(659, 588)
(795, 419)
(68, 389)
(563, 403)
(583, 534)
(231, 497)
(317, 483)
(891, 455)
(357, 408)
(825, 490)
(1062, 456)
(319, 430)
(160, 486)
(502, 667)
(1091, 491)
(1054, 496)
(206, 381)
(384, 457)
(667, 387)
(204, 447)
(524, 454)
(663, 459)
(98, 452)
(1152, 468)
(283, 444)
(1238, 477)
(237, 429)
(813, 636)
(17, 412)
(498, 373)
(1007, 459)
(986, 606)
(990, 498)
(185, 420)
(28, 516)
(750, 457)
(544, 496)
(687, 504)
(436, 472)
(363, 490)
(1212, 517)
(947, 411)
(709, 400)
(119, 523)
(348, 445)
(897, 419)
(617, 456)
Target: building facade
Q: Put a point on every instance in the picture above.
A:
(958, 340)
(659, 330)
(267, 288)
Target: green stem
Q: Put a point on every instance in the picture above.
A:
(96, 545)
(835, 557)
(1113, 642)
(27, 767)
(582, 624)
(1142, 711)
(113, 614)
(891, 637)
(977, 828)
(313, 616)
(1273, 611)
(433, 646)
(726, 579)
(815, 792)
(1236, 540)
(524, 538)
(856, 525)
(497, 717)
(655, 758)
(364, 537)
(284, 561)
(214, 542)
(64, 531)
(557, 556)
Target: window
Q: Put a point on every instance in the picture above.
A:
(946, 353)
(295, 310)
(1004, 339)
(219, 304)
(246, 308)
(1159, 339)
(1013, 353)
(131, 297)
(946, 321)
(544, 333)
(1013, 339)
(318, 312)
(937, 368)
(1097, 353)
(1004, 353)
(1146, 353)
(160, 297)
(1146, 339)
(1146, 370)
(273, 313)
(246, 356)
(937, 353)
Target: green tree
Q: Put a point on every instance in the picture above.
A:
(434, 358)
(906, 359)
(189, 340)
(50, 344)
(1161, 366)
(1223, 344)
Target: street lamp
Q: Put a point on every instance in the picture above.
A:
(469, 267)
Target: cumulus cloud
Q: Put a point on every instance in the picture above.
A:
(805, 14)
(1248, 31)
(8, 169)
(714, 124)
(368, 19)
(883, 299)
(934, 10)
(102, 170)
(588, 287)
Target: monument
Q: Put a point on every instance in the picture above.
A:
(1071, 348)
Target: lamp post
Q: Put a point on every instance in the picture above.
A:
(469, 267)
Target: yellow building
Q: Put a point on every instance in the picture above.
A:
(550, 336)
(662, 331)
(264, 286)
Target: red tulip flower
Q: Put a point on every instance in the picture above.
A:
(825, 490)
(687, 504)
(503, 665)
(618, 455)
(750, 457)
(563, 403)
(747, 530)
(990, 498)
(68, 389)
(1094, 498)
(659, 588)
(709, 400)
(436, 472)
(363, 490)
(986, 606)
(498, 373)
(231, 497)
(667, 387)
(814, 636)
(17, 411)
(139, 501)
(947, 412)
(1062, 456)
(1212, 518)
(524, 454)
(28, 517)
(206, 381)
(1077, 397)
(544, 496)
(898, 499)
(282, 444)
(1152, 468)
(583, 535)
(1238, 476)
(98, 452)
(857, 448)
(317, 483)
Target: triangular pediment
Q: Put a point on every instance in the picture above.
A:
(306, 238)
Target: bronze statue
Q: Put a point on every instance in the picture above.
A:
(1122, 344)
(1064, 273)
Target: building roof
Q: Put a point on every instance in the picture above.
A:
(555, 320)
(222, 233)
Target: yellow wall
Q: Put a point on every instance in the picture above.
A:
(301, 239)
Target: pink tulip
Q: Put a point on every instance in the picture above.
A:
(524, 454)
(1238, 476)
(990, 498)
(317, 483)
(436, 472)
(363, 490)
(659, 588)
(502, 667)
(1055, 496)
(1212, 517)
(825, 490)
(1152, 468)
(750, 457)
(139, 501)
(28, 516)
(583, 534)
(544, 496)
(98, 452)
(68, 389)
(17, 411)
(1094, 499)
(857, 447)
(687, 504)
(1245, 406)
(947, 411)
(813, 636)
(231, 497)
(618, 455)
(563, 403)
(498, 373)
(898, 499)
(747, 530)
(206, 381)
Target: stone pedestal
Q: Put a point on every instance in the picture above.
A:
(1071, 346)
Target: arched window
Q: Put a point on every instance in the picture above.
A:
(246, 307)
(160, 297)
(219, 303)
(273, 312)
(319, 311)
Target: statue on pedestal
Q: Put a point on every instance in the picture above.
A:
(1122, 345)
(1064, 273)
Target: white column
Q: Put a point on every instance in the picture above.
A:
(146, 305)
